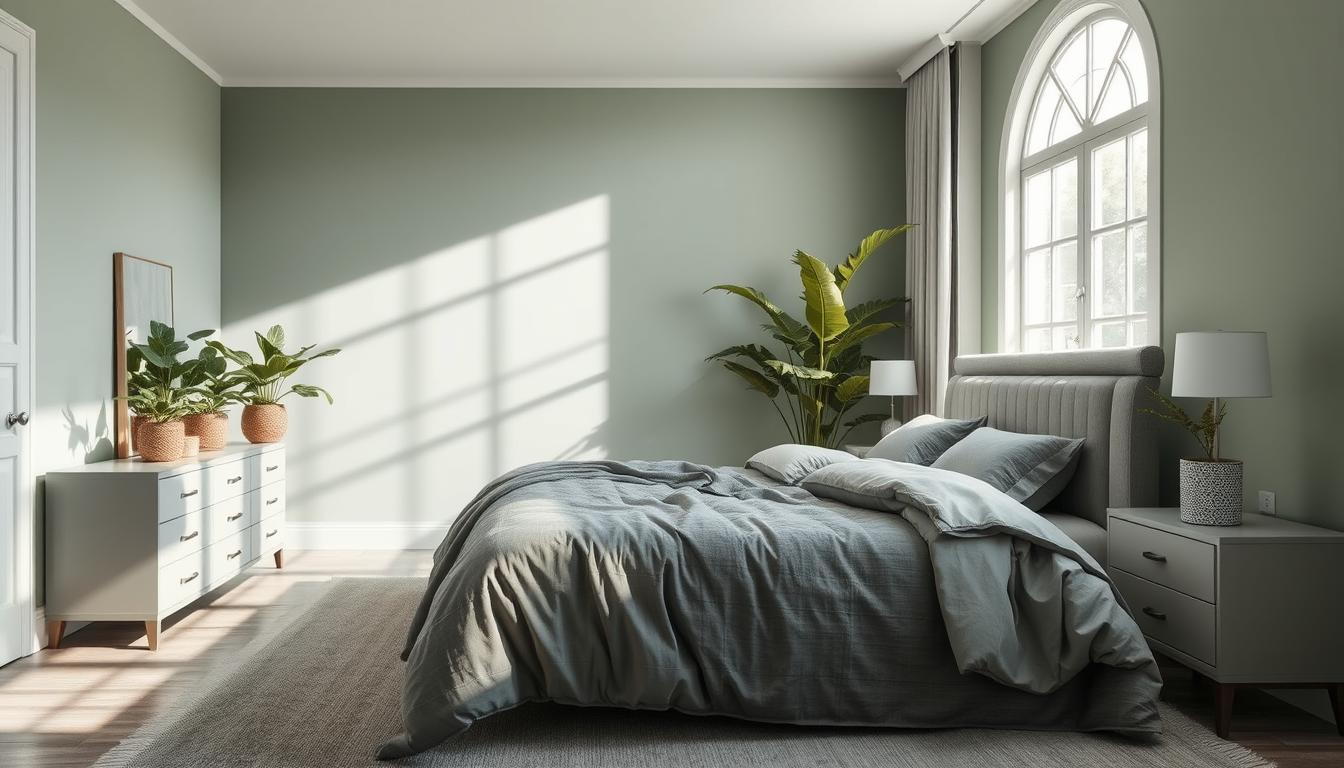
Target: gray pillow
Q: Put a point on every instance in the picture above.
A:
(1032, 469)
(791, 462)
(923, 439)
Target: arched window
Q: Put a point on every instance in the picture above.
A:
(1080, 185)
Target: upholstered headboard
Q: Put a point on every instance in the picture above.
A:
(1092, 394)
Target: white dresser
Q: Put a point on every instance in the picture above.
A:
(128, 540)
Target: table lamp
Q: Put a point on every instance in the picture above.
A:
(893, 378)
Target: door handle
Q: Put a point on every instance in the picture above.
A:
(20, 419)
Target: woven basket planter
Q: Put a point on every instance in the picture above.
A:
(1211, 492)
(212, 428)
(137, 421)
(265, 423)
(162, 441)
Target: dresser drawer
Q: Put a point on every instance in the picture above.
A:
(271, 500)
(1174, 561)
(270, 535)
(271, 467)
(192, 576)
(181, 536)
(190, 491)
(1169, 617)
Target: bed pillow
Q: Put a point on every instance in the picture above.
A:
(791, 462)
(1032, 469)
(923, 439)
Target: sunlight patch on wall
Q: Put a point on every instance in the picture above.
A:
(456, 366)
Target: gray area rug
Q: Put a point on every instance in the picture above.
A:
(323, 691)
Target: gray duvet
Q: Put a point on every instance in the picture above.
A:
(670, 585)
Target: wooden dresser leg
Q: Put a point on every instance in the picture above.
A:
(1337, 706)
(55, 633)
(152, 634)
(1222, 719)
(279, 558)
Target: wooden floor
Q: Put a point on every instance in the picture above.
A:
(68, 707)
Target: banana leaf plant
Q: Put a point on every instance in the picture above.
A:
(823, 371)
(263, 382)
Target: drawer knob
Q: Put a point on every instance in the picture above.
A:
(273, 467)
(272, 533)
(192, 577)
(1155, 557)
(234, 479)
(185, 494)
(232, 555)
(269, 502)
(231, 518)
(189, 536)
(1156, 614)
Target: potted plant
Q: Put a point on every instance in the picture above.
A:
(153, 392)
(263, 384)
(1211, 487)
(162, 436)
(821, 375)
(210, 392)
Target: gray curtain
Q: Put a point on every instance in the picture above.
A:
(929, 274)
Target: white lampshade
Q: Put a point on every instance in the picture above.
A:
(892, 377)
(1220, 364)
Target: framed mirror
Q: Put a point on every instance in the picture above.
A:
(142, 292)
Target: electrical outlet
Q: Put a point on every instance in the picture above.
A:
(1267, 503)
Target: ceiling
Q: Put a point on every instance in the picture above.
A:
(564, 42)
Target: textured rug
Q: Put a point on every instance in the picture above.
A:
(323, 691)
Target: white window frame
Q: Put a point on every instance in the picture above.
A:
(1066, 19)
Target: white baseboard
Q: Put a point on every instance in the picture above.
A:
(364, 535)
(40, 639)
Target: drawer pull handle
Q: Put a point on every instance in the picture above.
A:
(269, 502)
(272, 533)
(192, 577)
(234, 479)
(232, 555)
(231, 518)
(189, 536)
(186, 494)
(1155, 557)
(1156, 614)
(273, 467)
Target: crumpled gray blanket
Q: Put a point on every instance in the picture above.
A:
(671, 585)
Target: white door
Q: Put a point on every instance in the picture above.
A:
(16, 328)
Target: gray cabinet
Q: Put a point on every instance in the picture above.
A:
(1258, 604)
(128, 540)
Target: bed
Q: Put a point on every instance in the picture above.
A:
(718, 591)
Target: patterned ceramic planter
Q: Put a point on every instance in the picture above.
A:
(212, 428)
(1211, 492)
(162, 441)
(265, 423)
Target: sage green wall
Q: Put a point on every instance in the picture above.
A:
(366, 218)
(127, 160)
(1253, 191)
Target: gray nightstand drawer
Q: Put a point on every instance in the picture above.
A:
(1174, 561)
(1165, 615)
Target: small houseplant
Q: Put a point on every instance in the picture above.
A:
(154, 394)
(263, 384)
(1211, 486)
(821, 374)
(210, 393)
(161, 436)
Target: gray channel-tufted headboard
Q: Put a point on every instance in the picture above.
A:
(1092, 394)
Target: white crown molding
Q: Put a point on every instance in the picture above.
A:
(614, 82)
(981, 32)
(924, 55)
(380, 536)
(144, 18)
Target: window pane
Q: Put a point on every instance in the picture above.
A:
(1036, 340)
(1066, 200)
(1066, 126)
(1037, 211)
(1138, 174)
(1111, 334)
(1071, 69)
(1036, 287)
(1042, 118)
(1108, 184)
(1108, 271)
(1132, 57)
(1116, 98)
(1138, 268)
(1065, 281)
(1065, 337)
(1106, 37)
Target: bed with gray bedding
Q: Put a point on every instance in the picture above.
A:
(671, 585)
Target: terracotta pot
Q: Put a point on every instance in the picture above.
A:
(162, 441)
(212, 428)
(137, 421)
(265, 423)
(191, 445)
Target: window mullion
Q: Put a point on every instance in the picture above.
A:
(1084, 329)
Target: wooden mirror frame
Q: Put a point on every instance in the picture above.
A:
(120, 408)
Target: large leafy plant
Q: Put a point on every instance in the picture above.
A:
(822, 372)
(154, 373)
(262, 382)
(209, 388)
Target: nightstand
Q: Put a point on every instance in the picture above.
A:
(1256, 605)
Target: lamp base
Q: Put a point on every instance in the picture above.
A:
(889, 425)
